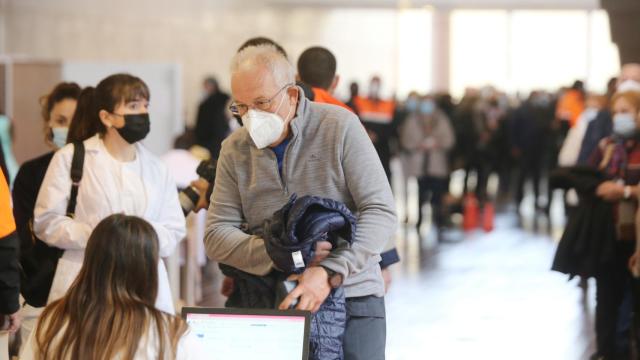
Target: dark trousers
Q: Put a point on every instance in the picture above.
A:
(611, 286)
(482, 169)
(436, 188)
(366, 332)
(530, 168)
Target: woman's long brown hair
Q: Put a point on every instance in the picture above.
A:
(109, 310)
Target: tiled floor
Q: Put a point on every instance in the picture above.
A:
(486, 296)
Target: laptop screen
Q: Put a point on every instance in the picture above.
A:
(250, 334)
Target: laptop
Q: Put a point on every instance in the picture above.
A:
(237, 334)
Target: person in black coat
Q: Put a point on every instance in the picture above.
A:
(211, 123)
(598, 129)
(58, 109)
(530, 134)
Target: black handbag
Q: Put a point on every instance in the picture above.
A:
(39, 261)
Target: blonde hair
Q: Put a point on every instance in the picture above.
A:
(266, 56)
(633, 97)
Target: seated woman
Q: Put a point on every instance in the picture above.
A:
(109, 312)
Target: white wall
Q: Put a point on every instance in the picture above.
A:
(203, 35)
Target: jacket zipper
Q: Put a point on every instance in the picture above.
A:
(283, 176)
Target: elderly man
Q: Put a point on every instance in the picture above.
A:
(290, 145)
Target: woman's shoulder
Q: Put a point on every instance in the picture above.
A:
(35, 165)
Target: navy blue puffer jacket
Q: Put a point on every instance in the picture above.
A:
(296, 228)
(300, 224)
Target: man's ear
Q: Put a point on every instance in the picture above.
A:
(334, 84)
(293, 93)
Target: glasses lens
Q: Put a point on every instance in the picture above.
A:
(263, 105)
(236, 109)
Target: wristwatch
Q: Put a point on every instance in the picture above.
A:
(335, 279)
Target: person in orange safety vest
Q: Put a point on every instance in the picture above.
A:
(377, 115)
(317, 68)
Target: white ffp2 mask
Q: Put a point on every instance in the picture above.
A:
(264, 127)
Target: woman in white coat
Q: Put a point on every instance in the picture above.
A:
(108, 313)
(119, 176)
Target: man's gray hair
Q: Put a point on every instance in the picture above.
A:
(267, 56)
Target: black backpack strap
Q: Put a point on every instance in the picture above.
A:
(76, 175)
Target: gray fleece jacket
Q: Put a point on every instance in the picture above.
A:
(329, 155)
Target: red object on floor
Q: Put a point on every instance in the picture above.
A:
(488, 214)
(470, 212)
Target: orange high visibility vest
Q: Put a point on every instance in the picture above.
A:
(570, 106)
(7, 223)
(380, 111)
(323, 96)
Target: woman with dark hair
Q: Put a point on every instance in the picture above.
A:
(119, 176)
(57, 109)
(109, 312)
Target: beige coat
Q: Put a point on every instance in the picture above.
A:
(426, 141)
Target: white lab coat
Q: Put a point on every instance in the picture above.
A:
(189, 347)
(142, 188)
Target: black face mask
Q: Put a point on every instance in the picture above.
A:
(136, 127)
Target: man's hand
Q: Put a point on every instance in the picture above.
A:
(386, 276)
(323, 249)
(12, 322)
(429, 144)
(202, 186)
(610, 191)
(313, 289)
(228, 286)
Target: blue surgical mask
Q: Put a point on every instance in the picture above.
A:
(60, 136)
(427, 107)
(411, 105)
(624, 125)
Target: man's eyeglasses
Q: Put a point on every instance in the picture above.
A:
(262, 104)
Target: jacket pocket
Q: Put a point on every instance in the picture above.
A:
(366, 306)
